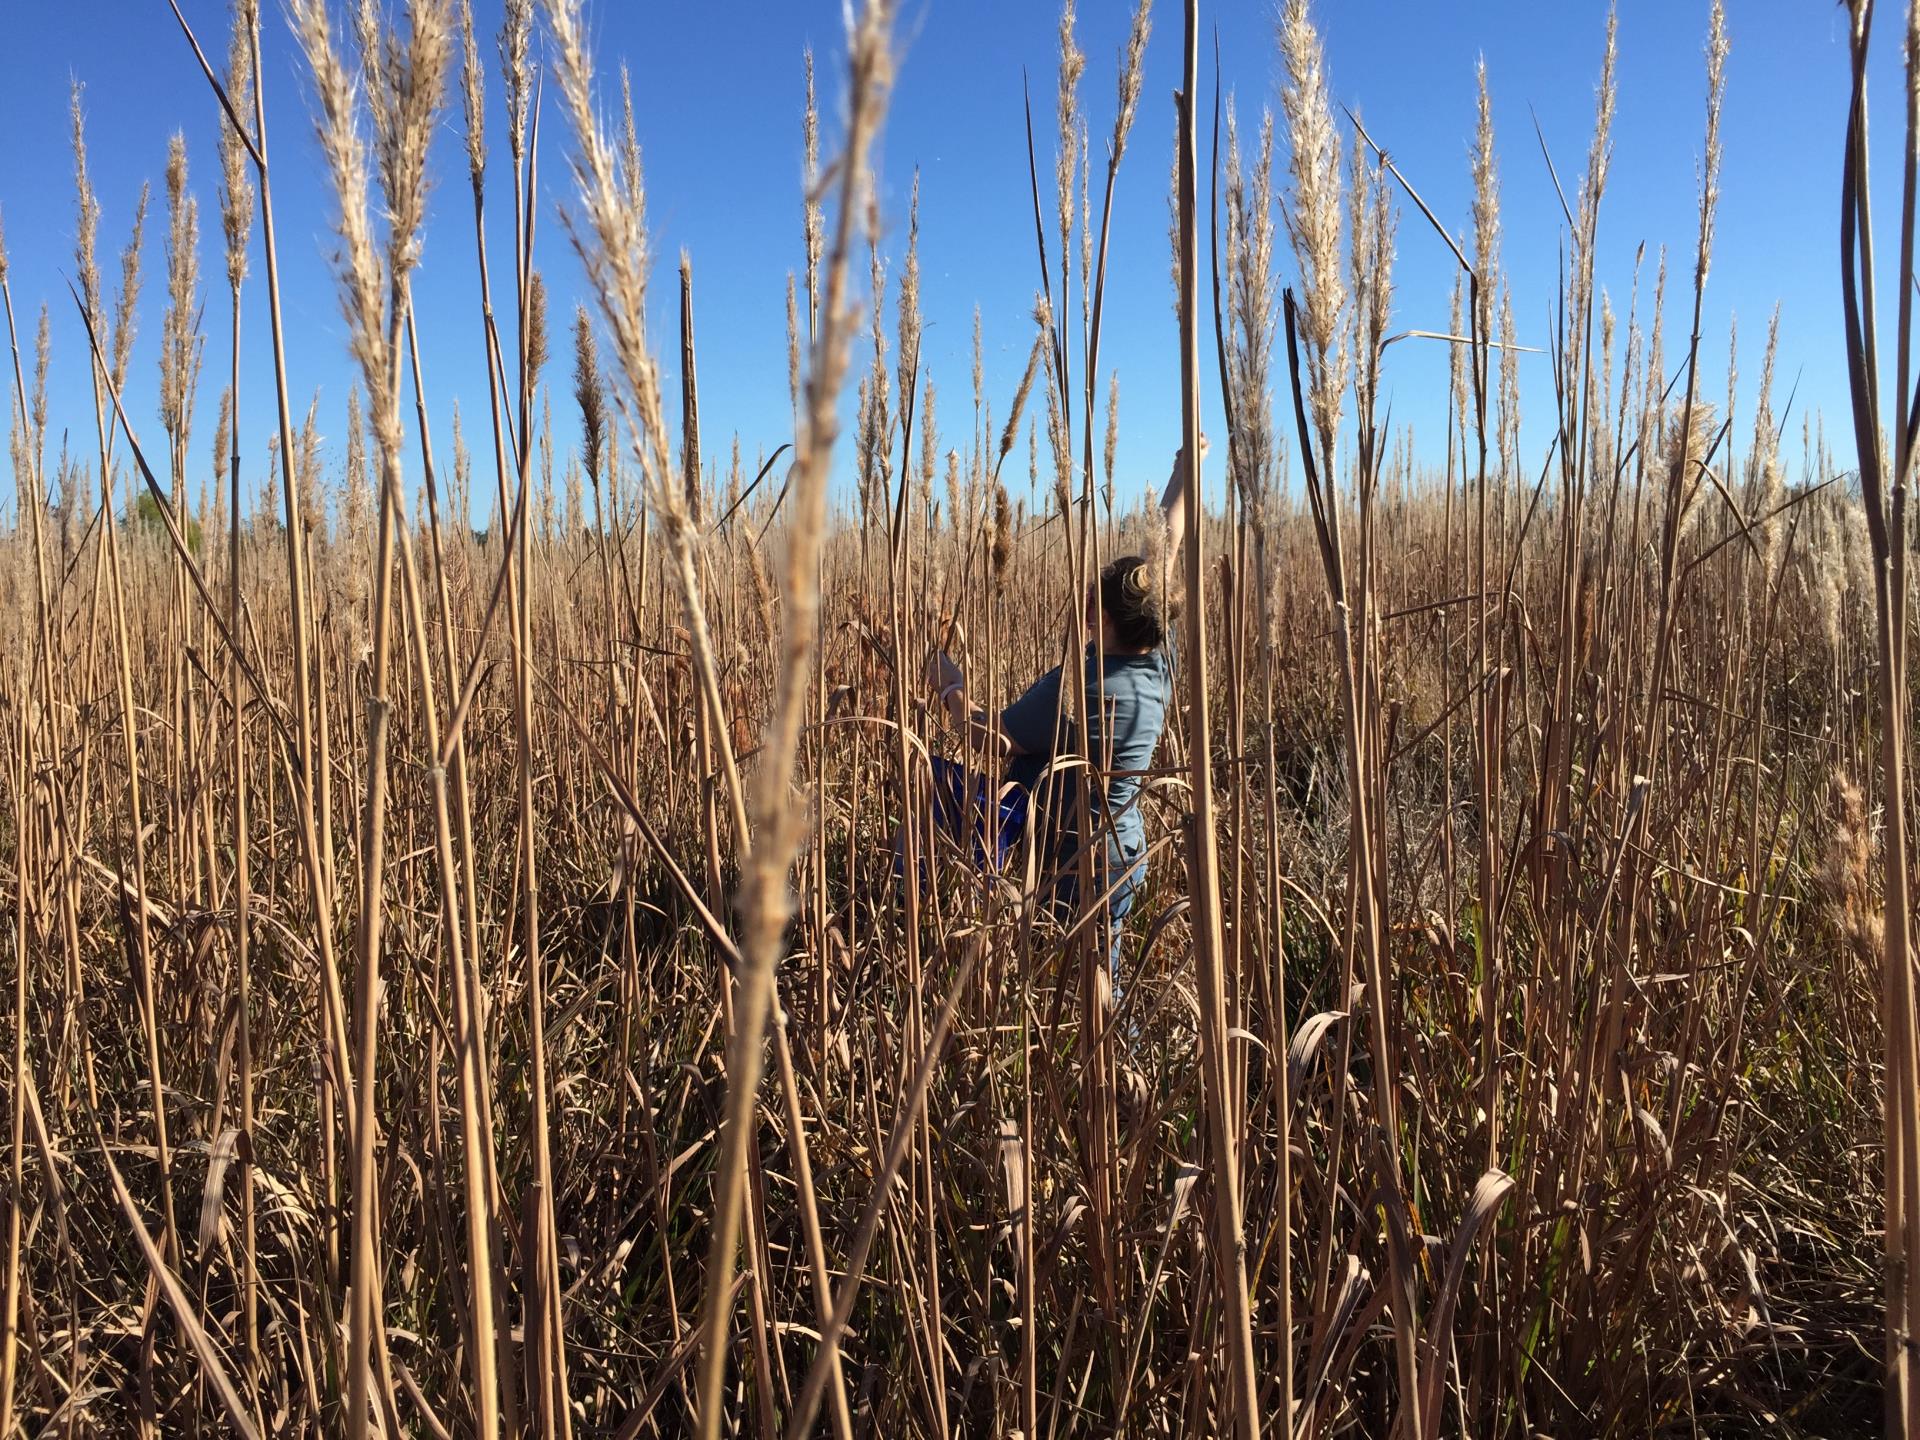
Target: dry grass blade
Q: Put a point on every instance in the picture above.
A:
(1488, 1195)
(226, 1150)
(212, 1366)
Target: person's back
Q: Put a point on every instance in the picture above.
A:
(1129, 700)
(1128, 695)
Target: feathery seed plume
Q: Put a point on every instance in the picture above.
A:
(126, 308)
(1072, 64)
(236, 186)
(1002, 536)
(979, 382)
(516, 30)
(462, 498)
(1311, 210)
(306, 468)
(814, 221)
(356, 501)
(1717, 46)
(1509, 400)
(536, 326)
(1457, 354)
(1113, 432)
(956, 515)
(1086, 230)
(929, 438)
(907, 306)
(180, 346)
(42, 358)
(1020, 395)
(793, 344)
(360, 276)
(590, 395)
(214, 510)
(87, 219)
(473, 95)
(610, 238)
(1132, 68)
(1251, 313)
(1486, 210)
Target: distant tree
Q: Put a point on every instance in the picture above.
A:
(146, 520)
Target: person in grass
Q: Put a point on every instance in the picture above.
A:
(1129, 691)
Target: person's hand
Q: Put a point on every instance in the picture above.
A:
(942, 673)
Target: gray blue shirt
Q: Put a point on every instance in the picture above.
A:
(1128, 697)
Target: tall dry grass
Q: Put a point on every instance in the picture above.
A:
(457, 978)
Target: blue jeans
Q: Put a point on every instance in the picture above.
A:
(1120, 886)
(960, 806)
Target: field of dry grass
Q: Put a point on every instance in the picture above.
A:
(457, 980)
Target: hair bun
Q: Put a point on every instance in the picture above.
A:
(1128, 597)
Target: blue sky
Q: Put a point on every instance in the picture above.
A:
(718, 90)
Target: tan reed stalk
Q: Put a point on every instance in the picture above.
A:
(1483, 280)
(459, 886)
(143, 954)
(181, 353)
(251, 131)
(916, 838)
(707, 725)
(613, 249)
(486, 1190)
(17, 1108)
(766, 903)
(236, 223)
(1680, 486)
(1093, 294)
(1245, 334)
(547, 1380)
(32, 473)
(1229, 1244)
(1884, 493)
(1313, 222)
(404, 98)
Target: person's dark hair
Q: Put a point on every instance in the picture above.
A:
(1127, 597)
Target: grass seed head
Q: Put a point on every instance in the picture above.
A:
(1020, 395)
(1312, 210)
(236, 182)
(1486, 208)
(590, 395)
(1073, 63)
(87, 211)
(473, 98)
(1132, 71)
(180, 342)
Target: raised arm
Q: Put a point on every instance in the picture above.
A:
(1173, 505)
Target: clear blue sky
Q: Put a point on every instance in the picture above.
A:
(718, 88)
